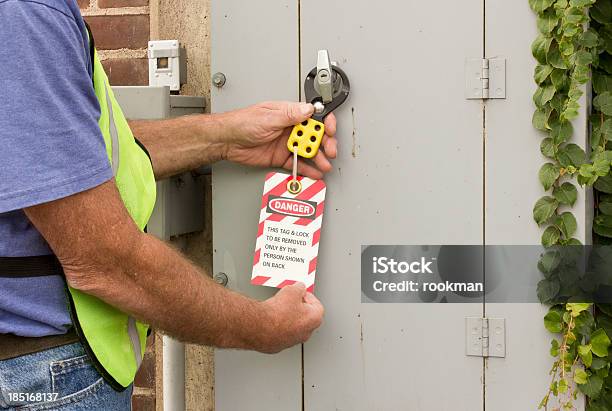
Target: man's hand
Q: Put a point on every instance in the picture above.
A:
(292, 314)
(258, 137)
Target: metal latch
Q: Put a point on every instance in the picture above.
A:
(485, 79)
(485, 337)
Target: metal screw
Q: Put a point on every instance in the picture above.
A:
(221, 279)
(218, 79)
(319, 107)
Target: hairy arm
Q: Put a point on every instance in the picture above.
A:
(183, 143)
(104, 254)
(253, 136)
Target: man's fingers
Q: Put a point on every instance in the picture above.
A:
(322, 163)
(297, 112)
(309, 298)
(330, 125)
(330, 145)
(297, 289)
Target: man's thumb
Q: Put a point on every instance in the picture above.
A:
(298, 112)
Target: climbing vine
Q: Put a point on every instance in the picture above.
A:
(574, 46)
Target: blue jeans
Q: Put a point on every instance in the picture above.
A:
(61, 378)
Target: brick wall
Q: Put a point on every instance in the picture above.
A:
(121, 30)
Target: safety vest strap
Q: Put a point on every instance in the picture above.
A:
(35, 266)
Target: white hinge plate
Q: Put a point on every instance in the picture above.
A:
(485, 337)
(485, 79)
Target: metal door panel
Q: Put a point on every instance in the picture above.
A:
(409, 172)
(512, 162)
(255, 44)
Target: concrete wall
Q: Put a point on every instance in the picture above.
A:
(188, 22)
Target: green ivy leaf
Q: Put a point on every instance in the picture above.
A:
(603, 103)
(604, 184)
(585, 323)
(602, 11)
(553, 321)
(605, 63)
(547, 290)
(566, 194)
(549, 263)
(576, 308)
(540, 118)
(580, 376)
(547, 21)
(575, 94)
(599, 363)
(601, 167)
(606, 35)
(543, 95)
(540, 48)
(540, 5)
(581, 3)
(602, 230)
(554, 57)
(592, 386)
(561, 131)
(554, 348)
(571, 155)
(603, 220)
(589, 39)
(600, 343)
(544, 208)
(566, 47)
(548, 148)
(605, 207)
(601, 82)
(549, 173)
(566, 223)
(571, 111)
(559, 79)
(551, 236)
(583, 58)
(542, 72)
(584, 351)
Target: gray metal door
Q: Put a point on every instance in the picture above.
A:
(418, 164)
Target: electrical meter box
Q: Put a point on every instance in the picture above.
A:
(167, 65)
(179, 208)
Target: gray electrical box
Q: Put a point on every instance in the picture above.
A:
(418, 163)
(179, 208)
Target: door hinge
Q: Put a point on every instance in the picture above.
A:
(485, 79)
(485, 337)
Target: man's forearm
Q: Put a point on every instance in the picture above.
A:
(184, 143)
(156, 284)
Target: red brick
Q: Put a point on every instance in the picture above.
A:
(127, 71)
(143, 403)
(145, 378)
(117, 32)
(104, 4)
(83, 4)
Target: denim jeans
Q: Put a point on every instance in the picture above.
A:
(61, 378)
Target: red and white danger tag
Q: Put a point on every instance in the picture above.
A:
(289, 229)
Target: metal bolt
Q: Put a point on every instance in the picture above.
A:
(218, 79)
(319, 107)
(221, 279)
